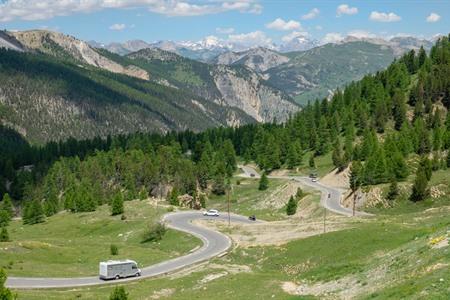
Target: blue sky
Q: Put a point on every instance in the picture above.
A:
(261, 21)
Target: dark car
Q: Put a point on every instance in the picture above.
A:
(252, 218)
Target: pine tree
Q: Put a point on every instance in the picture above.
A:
(299, 194)
(7, 206)
(294, 155)
(33, 212)
(337, 157)
(420, 187)
(263, 182)
(312, 163)
(291, 207)
(117, 204)
(393, 190)
(173, 196)
(118, 293)
(397, 166)
(230, 157)
(399, 109)
(427, 166)
(355, 179)
(4, 236)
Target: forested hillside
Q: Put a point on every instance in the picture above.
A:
(46, 99)
(316, 73)
(377, 124)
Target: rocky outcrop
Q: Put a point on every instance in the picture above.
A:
(247, 91)
(258, 59)
(9, 42)
(58, 44)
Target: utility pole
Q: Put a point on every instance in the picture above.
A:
(325, 215)
(229, 200)
(354, 202)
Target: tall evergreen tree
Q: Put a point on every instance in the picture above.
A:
(33, 212)
(291, 207)
(312, 162)
(117, 204)
(420, 186)
(263, 182)
(393, 190)
(399, 109)
(7, 206)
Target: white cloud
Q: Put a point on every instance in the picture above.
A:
(332, 37)
(117, 27)
(313, 13)
(251, 39)
(433, 17)
(361, 34)
(293, 35)
(280, 24)
(224, 30)
(344, 9)
(31, 10)
(384, 17)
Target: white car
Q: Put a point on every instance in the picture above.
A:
(314, 179)
(211, 213)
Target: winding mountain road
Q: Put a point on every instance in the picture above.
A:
(331, 197)
(214, 243)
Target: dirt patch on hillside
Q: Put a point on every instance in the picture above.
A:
(164, 293)
(213, 268)
(337, 179)
(276, 233)
(278, 198)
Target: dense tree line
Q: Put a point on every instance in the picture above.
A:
(376, 123)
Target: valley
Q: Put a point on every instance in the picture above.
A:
(238, 149)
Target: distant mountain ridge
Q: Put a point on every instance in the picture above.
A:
(55, 86)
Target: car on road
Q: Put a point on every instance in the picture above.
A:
(116, 269)
(252, 175)
(314, 179)
(252, 218)
(211, 213)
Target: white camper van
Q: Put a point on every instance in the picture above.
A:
(115, 269)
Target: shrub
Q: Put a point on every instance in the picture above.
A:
(118, 293)
(114, 249)
(4, 236)
(154, 232)
(5, 294)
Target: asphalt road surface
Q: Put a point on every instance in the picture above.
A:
(331, 197)
(214, 244)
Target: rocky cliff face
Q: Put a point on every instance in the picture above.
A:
(59, 44)
(230, 86)
(249, 94)
(257, 59)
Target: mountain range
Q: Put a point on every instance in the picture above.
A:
(56, 86)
